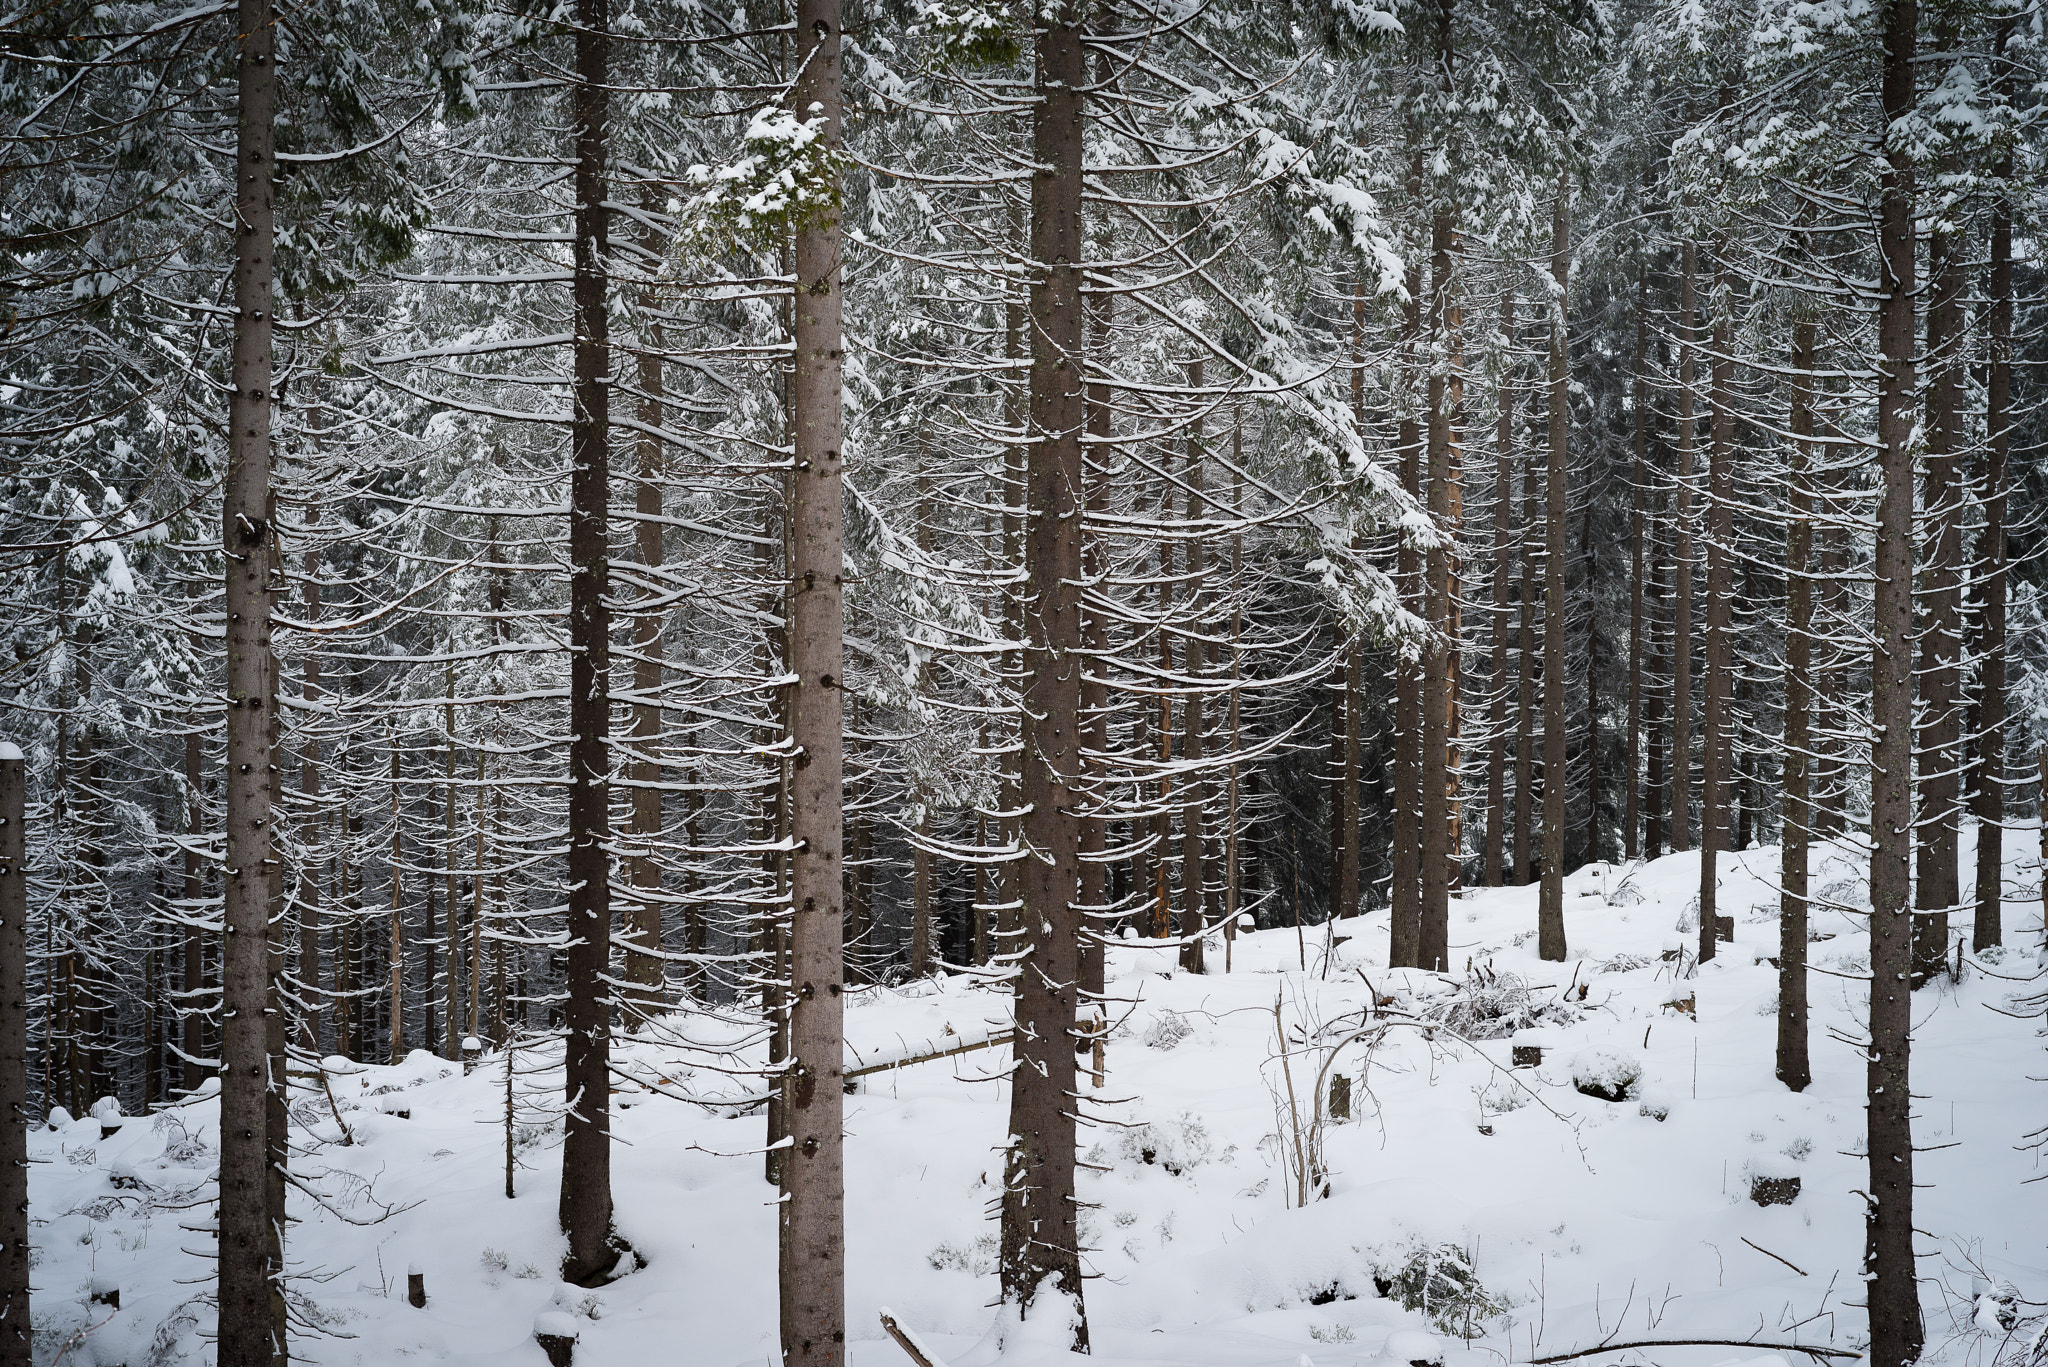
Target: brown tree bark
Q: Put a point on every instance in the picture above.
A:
(585, 1210)
(1439, 674)
(1937, 874)
(1715, 746)
(1890, 1283)
(1040, 1243)
(1405, 929)
(1550, 937)
(1528, 663)
(1988, 804)
(1631, 821)
(812, 1260)
(1194, 861)
(16, 1342)
(1678, 817)
(1497, 673)
(247, 1333)
(646, 972)
(1795, 845)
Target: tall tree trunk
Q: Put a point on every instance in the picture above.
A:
(585, 1210)
(1550, 939)
(1497, 673)
(1439, 673)
(812, 1260)
(1040, 1247)
(312, 825)
(16, 1342)
(1679, 817)
(1589, 553)
(1989, 802)
(246, 1334)
(1194, 862)
(1653, 707)
(1631, 821)
(922, 866)
(646, 971)
(1527, 664)
(1095, 739)
(450, 879)
(1715, 747)
(1795, 843)
(192, 969)
(1937, 882)
(1891, 1286)
(1405, 930)
(396, 966)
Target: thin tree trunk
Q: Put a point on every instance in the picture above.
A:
(192, 973)
(396, 966)
(1040, 1243)
(585, 1210)
(646, 971)
(1095, 739)
(1631, 821)
(1989, 804)
(16, 1342)
(1527, 666)
(1194, 862)
(1794, 1068)
(450, 880)
(812, 1258)
(1439, 674)
(1550, 938)
(1715, 748)
(1890, 1281)
(1497, 672)
(1405, 931)
(246, 1333)
(1589, 553)
(1679, 816)
(1937, 876)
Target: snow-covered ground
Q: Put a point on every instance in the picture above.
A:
(1582, 1220)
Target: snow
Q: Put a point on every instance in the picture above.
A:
(9, 750)
(1575, 1220)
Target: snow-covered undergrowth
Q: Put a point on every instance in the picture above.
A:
(1499, 1203)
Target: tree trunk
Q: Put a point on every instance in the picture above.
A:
(1528, 663)
(1715, 749)
(246, 1335)
(812, 1259)
(1497, 673)
(1794, 1069)
(1405, 931)
(1095, 737)
(585, 1210)
(1194, 862)
(646, 971)
(1040, 1248)
(1989, 803)
(396, 967)
(1550, 940)
(1679, 817)
(1589, 553)
(1937, 876)
(15, 1339)
(1891, 1285)
(1632, 817)
(192, 970)
(1439, 672)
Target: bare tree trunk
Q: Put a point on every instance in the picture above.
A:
(645, 970)
(1891, 1285)
(1550, 939)
(1439, 673)
(1989, 805)
(812, 1259)
(1715, 747)
(192, 971)
(247, 1333)
(1194, 862)
(1497, 674)
(1040, 1249)
(1405, 931)
(585, 1210)
(1795, 845)
(1095, 892)
(16, 1341)
(1631, 821)
(450, 880)
(396, 967)
(1679, 818)
(1937, 876)
(1589, 553)
(1527, 666)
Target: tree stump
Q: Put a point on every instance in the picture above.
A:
(1767, 1190)
(556, 1334)
(106, 1292)
(1340, 1098)
(1724, 929)
(415, 1287)
(1527, 1055)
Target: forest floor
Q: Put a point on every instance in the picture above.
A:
(1575, 1221)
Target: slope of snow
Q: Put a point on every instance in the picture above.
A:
(1583, 1219)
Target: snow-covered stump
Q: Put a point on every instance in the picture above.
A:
(1525, 1047)
(415, 1287)
(1605, 1073)
(106, 1291)
(556, 1334)
(472, 1054)
(1773, 1180)
(1683, 997)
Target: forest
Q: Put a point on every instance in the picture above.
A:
(1078, 666)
